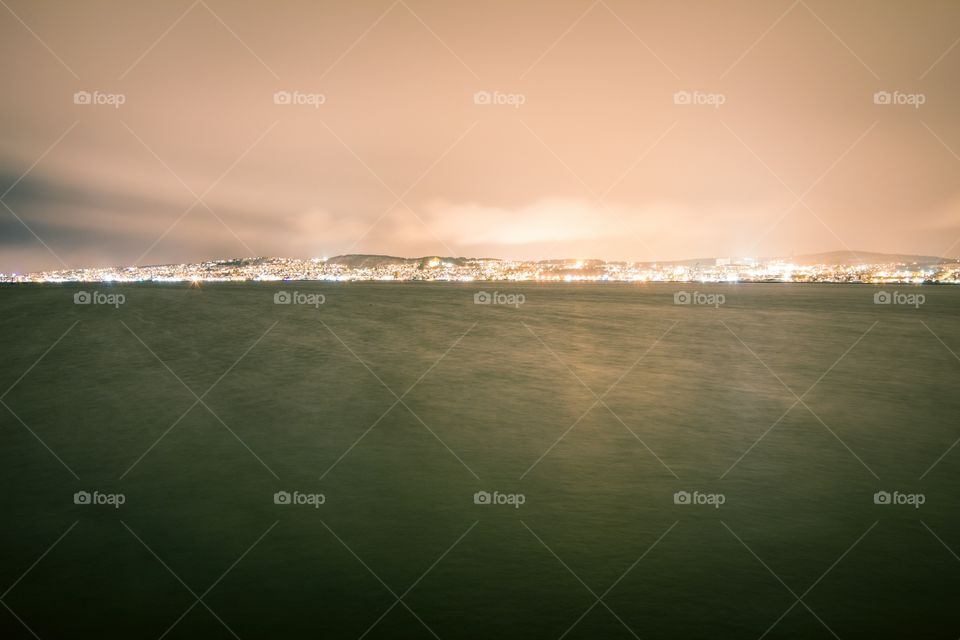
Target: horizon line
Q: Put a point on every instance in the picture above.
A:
(848, 252)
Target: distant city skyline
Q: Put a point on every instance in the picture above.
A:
(184, 131)
(835, 267)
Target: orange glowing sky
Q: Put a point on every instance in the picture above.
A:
(589, 154)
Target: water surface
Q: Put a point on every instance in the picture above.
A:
(398, 402)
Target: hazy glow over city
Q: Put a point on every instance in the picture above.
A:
(522, 131)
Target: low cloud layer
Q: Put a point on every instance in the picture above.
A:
(423, 128)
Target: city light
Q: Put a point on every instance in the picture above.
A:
(345, 269)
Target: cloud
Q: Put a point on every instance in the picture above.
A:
(578, 226)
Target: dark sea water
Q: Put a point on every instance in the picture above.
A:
(593, 405)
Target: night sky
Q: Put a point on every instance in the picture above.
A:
(611, 129)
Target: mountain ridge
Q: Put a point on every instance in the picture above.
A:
(841, 257)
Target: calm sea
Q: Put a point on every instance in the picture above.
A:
(399, 461)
